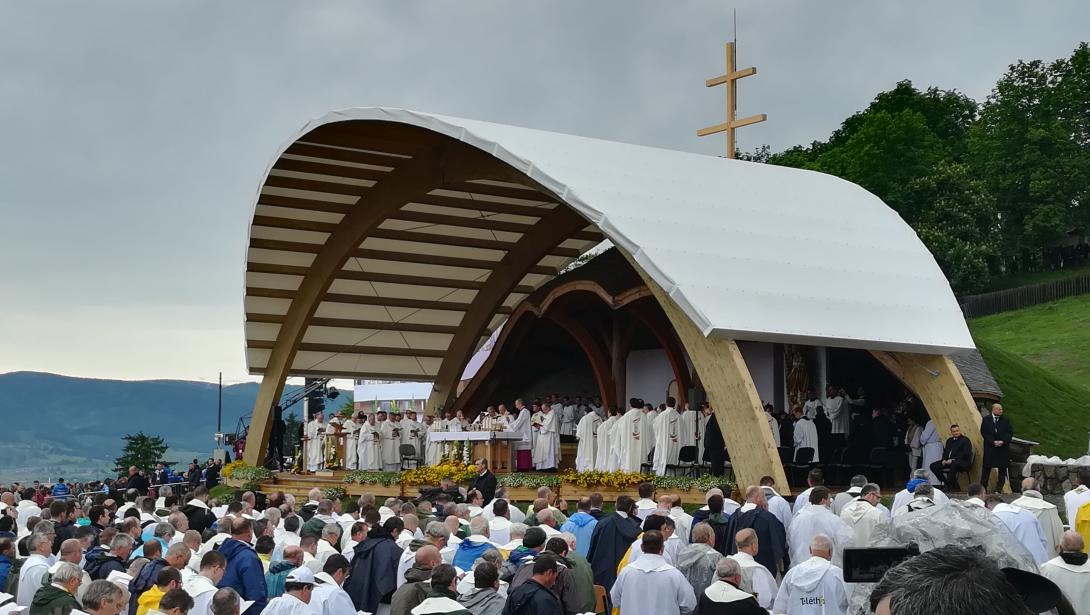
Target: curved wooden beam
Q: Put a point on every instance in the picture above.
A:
(427, 170)
(510, 337)
(596, 355)
(549, 232)
(675, 354)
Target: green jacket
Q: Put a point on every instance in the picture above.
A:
(52, 600)
(584, 582)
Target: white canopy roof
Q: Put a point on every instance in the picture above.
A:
(749, 251)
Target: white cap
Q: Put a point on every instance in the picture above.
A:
(854, 490)
(301, 574)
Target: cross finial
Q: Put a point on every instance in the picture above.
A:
(729, 78)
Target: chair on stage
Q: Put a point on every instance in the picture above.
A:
(686, 463)
(804, 459)
(408, 455)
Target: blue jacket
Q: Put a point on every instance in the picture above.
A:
(5, 569)
(61, 492)
(468, 552)
(580, 524)
(244, 573)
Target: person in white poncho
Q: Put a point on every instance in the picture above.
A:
(814, 586)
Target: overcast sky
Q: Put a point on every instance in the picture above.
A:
(133, 135)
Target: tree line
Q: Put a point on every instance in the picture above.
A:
(995, 187)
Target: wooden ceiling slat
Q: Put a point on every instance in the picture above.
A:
(350, 349)
(375, 276)
(399, 235)
(461, 202)
(423, 304)
(336, 170)
(352, 323)
(315, 185)
(528, 192)
(294, 202)
(481, 223)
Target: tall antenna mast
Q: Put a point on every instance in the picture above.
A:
(729, 79)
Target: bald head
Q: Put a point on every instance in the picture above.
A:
(756, 496)
(1071, 542)
(71, 551)
(821, 546)
(428, 557)
(746, 540)
(294, 554)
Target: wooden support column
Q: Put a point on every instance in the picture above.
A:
(732, 394)
(595, 354)
(549, 232)
(938, 384)
(619, 343)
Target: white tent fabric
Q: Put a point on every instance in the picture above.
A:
(748, 251)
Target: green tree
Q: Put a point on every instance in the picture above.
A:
(142, 451)
(1031, 147)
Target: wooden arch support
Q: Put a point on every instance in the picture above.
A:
(549, 232)
(596, 355)
(438, 161)
(731, 392)
(938, 384)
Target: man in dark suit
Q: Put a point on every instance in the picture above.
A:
(713, 444)
(612, 536)
(485, 482)
(997, 432)
(957, 456)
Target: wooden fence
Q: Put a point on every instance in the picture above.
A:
(975, 306)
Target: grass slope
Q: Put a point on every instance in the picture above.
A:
(1055, 336)
(1043, 405)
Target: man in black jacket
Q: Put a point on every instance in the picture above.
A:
(485, 482)
(534, 597)
(374, 567)
(997, 432)
(713, 444)
(137, 481)
(957, 456)
(612, 536)
(197, 512)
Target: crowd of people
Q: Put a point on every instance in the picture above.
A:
(173, 550)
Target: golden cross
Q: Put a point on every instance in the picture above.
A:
(729, 78)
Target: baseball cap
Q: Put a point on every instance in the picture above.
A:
(300, 575)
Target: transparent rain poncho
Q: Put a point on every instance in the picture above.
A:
(954, 523)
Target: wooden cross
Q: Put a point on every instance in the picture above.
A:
(729, 78)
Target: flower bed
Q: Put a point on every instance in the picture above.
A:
(245, 476)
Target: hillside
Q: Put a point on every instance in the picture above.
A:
(1043, 405)
(72, 427)
(1054, 336)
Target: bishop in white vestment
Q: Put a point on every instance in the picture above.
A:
(351, 429)
(367, 446)
(626, 438)
(605, 454)
(433, 451)
(667, 438)
(547, 446)
(647, 434)
(410, 433)
(389, 443)
(315, 443)
(587, 434)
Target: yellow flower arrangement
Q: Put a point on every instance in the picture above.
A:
(615, 480)
(230, 468)
(431, 475)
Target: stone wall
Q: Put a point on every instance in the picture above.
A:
(1054, 479)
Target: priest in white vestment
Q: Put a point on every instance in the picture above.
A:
(931, 444)
(756, 579)
(626, 437)
(667, 438)
(587, 435)
(351, 429)
(315, 443)
(815, 585)
(547, 445)
(567, 419)
(1073, 500)
(816, 518)
(647, 433)
(806, 435)
(521, 425)
(389, 443)
(1071, 572)
(687, 426)
(410, 433)
(863, 515)
(773, 424)
(1047, 514)
(604, 453)
(837, 411)
(367, 445)
(433, 450)
(650, 586)
(1023, 524)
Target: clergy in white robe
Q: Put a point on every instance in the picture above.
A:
(367, 446)
(1025, 527)
(774, 425)
(521, 425)
(836, 409)
(863, 516)
(351, 429)
(816, 519)
(667, 438)
(778, 506)
(315, 443)
(687, 426)
(604, 453)
(809, 408)
(587, 434)
(806, 436)
(931, 444)
(566, 417)
(702, 419)
(626, 437)
(410, 433)
(1047, 514)
(389, 442)
(814, 586)
(647, 434)
(1071, 572)
(547, 446)
(1073, 500)
(650, 586)
(756, 579)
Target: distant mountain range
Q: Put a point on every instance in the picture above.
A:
(57, 426)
